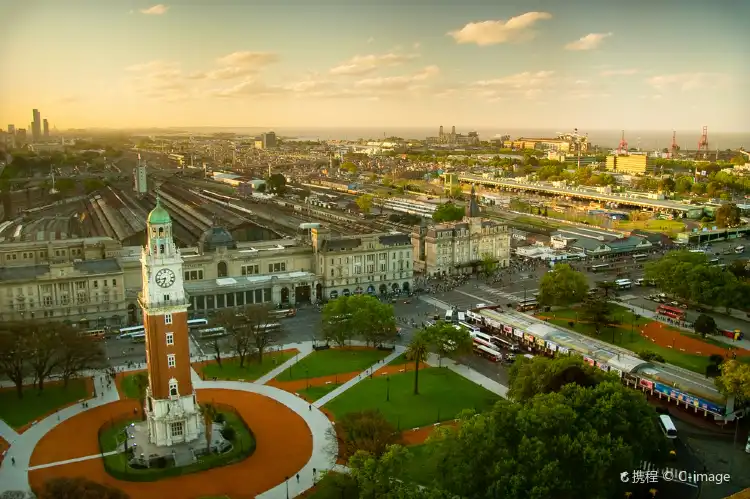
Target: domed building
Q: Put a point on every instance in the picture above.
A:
(215, 238)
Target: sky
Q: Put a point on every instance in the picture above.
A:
(590, 64)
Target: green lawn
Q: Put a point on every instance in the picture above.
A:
(622, 337)
(442, 395)
(252, 370)
(333, 361)
(315, 392)
(110, 438)
(128, 386)
(653, 225)
(34, 405)
(117, 465)
(401, 359)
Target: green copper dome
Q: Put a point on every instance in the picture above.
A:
(158, 215)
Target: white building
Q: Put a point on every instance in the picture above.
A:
(140, 179)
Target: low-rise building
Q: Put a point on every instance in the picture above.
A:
(461, 247)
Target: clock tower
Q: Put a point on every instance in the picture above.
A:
(171, 408)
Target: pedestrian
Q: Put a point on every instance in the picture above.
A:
(13, 461)
(297, 477)
(309, 407)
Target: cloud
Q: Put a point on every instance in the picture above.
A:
(370, 40)
(237, 65)
(365, 64)
(527, 84)
(588, 42)
(485, 33)
(395, 83)
(155, 10)
(161, 80)
(620, 72)
(688, 81)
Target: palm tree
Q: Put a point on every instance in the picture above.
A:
(140, 380)
(209, 413)
(418, 350)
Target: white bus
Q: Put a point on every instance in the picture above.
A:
(138, 337)
(193, 323)
(472, 329)
(488, 353)
(449, 316)
(503, 343)
(667, 426)
(623, 283)
(739, 250)
(640, 256)
(287, 312)
(212, 332)
(461, 317)
(127, 332)
(269, 327)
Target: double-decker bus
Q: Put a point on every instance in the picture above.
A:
(602, 267)
(195, 323)
(671, 312)
(127, 332)
(286, 312)
(212, 332)
(488, 353)
(624, 283)
(94, 334)
(527, 304)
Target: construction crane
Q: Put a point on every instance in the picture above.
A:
(674, 147)
(623, 146)
(703, 144)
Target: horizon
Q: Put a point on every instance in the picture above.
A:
(597, 67)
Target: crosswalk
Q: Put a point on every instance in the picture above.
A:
(669, 474)
(512, 297)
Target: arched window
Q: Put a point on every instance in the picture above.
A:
(173, 392)
(221, 269)
(161, 231)
(161, 249)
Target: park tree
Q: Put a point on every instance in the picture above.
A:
(276, 183)
(728, 215)
(673, 272)
(740, 268)
(14, 353)
(258, 322)
(44, 345)
(335, 485)
(597, 311)
(140, 381)
(240, 336)
(78, 488)
(704, 325)
(488, 263)
(209, 413)
(417, 351)
(349, 167)
(562, 286)
(667, 185)
(375, 476)
(366, 430)
(364, 203)
(563, 445)
(448, 340)
(77, 353)
(734, 381)
(448, 212)
(607, 289)
(542, 375)
(361, 316)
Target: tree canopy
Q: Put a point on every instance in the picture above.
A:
(448, 212)
(364, 203)
(358, 316)
(276, 183)
(539, 375)
(728, 215)
(734, 380)
(562, 286)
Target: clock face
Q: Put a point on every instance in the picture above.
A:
(164, 278)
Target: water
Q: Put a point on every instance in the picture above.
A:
(648, 139)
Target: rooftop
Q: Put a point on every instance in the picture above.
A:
(246, 282)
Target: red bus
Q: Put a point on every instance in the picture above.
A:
(671, 312)
(487, 353)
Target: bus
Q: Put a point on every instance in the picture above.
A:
(286, 312)
(640, 256)
(138, 337)
(667, 426)
(739, 250)
(671, 312)
(488, 353)
(482, 339)
(472, 329)
(461, 317)
(503, 343)
(272, 326)
(527, 304)
(94, 334)
(449, 315)
(194, 323)
(127, 332)
(714, 261)
(602, 267)
(212, 332)
(623, 284)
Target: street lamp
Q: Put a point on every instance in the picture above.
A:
(286, 479)
(387, 389)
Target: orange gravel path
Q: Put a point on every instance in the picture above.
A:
(89, 389)
(664, 336)
(419, 436)
(283, 447)
(297, 385)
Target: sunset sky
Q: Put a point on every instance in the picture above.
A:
(601, 64)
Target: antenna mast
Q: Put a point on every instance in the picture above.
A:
(674, 147)
(623, 146)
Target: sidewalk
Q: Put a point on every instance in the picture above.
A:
(17, 477)
(305, 349)
(470, 374)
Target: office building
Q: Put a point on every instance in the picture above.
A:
(461, 247)
(140, 179)
(45, 124)
(12, 129)
(268, 140)
(632, 164)
(36, 126)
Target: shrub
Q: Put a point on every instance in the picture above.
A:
(220, 418)
(228, 432)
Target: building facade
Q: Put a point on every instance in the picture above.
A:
(375, 264)
(461, 247)
(172, 412)
(633, 164)
(36, 125)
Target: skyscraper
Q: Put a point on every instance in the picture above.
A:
(46, 127)
(36, 125)
(12, 129)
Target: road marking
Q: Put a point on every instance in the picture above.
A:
(435, 302)
(472, 296)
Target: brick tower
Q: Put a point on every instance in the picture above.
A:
(171, 408)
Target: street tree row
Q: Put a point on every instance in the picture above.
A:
(251, 330)
(38, 349)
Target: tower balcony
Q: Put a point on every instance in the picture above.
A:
(165, 304)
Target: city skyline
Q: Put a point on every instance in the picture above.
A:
(540, 65)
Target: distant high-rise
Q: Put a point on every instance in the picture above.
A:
(12, 129)
(140, 177)
(36, 125)
(46, 127)
(268, 139)
(21, 135)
